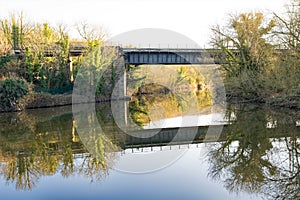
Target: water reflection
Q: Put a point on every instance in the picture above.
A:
(260, 153)
(163, 109)
(257, 152)
(34, 145)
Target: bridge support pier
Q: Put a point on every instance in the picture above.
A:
(71, 69)
(120, 100)
(120, 87)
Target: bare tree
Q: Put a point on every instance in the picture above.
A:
(16, 30)
(94, 35)
(289, 26)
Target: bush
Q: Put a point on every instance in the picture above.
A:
(11, 90)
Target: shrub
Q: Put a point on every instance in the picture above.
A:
(11, 90)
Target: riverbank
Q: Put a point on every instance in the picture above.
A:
(292, 102)
(46, 100)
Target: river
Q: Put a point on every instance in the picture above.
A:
(244, 152)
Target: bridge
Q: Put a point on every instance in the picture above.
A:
(139, 56)
(164, 56)
(149, 56)
(165, 139)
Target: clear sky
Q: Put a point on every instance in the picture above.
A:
(189, 17)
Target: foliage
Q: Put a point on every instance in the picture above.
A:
(255, 70)
(4, 60)
(96, 71)
(11, 90)
(243, 44)
(287, 33)
(247, 55)
(43, 50)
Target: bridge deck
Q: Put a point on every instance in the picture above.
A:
(137, 56)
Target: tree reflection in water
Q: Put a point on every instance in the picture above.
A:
(32, 147)
(176, 91)
(260, 153)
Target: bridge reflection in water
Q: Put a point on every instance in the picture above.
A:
(43, 142)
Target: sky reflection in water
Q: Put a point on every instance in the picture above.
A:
(252, 160)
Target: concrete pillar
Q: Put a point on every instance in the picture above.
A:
(71, 69)
(124, 92)
(120, 87)
(120, 103)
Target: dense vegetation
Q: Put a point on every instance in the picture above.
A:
(38, 54)
(261, 57)
(11, 90)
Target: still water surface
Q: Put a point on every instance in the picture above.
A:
(256, 156)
